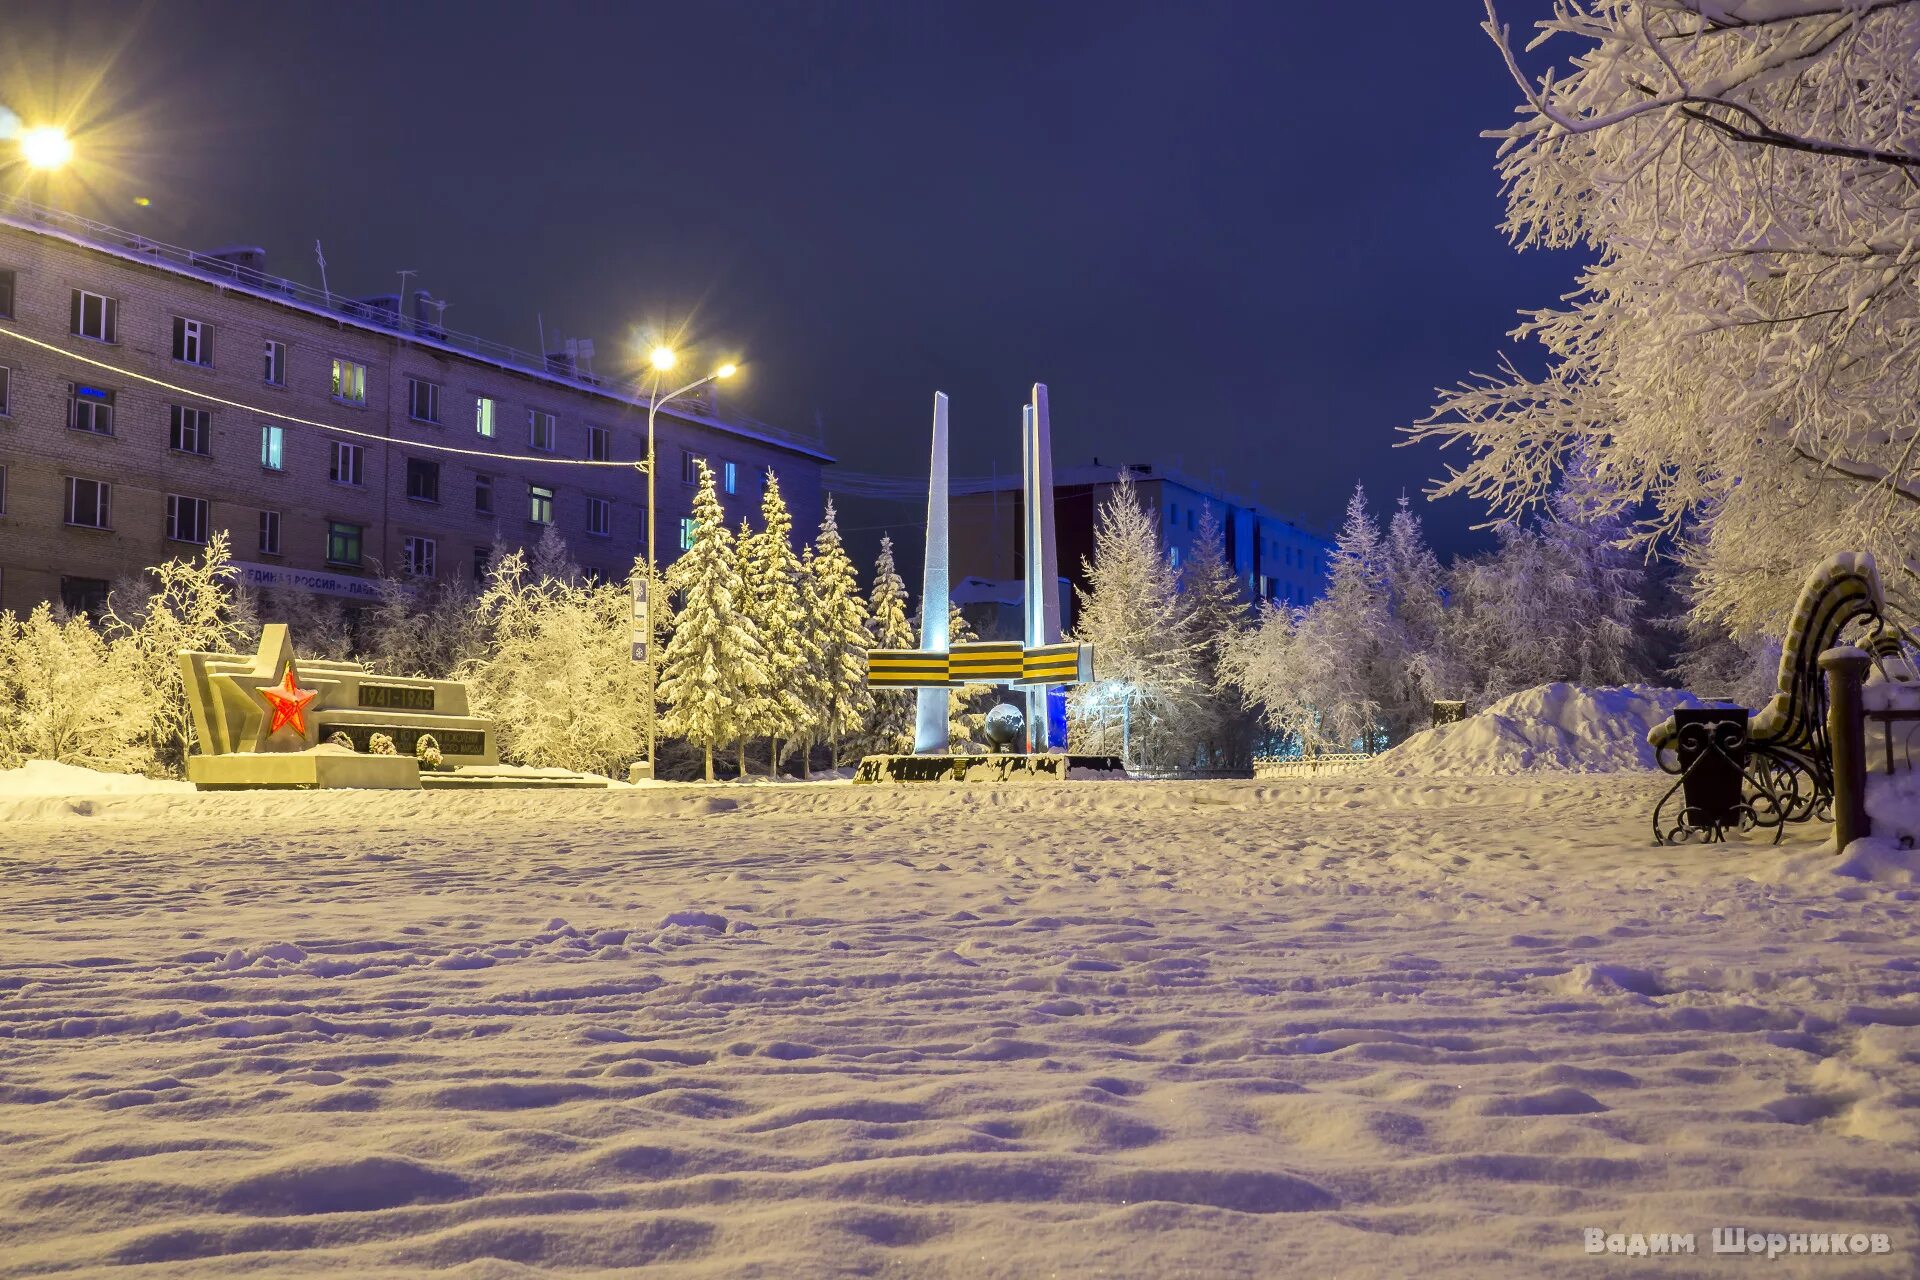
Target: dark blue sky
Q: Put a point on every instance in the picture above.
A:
(1243, 240)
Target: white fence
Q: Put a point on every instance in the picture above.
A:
(1322, 765)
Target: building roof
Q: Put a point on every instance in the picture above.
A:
(1100, 473)
(228, 271)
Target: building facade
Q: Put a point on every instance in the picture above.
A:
(150, 396)
(1273, 558)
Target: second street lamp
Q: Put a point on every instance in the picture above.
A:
(662, 359)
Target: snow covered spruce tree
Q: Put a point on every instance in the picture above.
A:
(64, 695)
(552, 665)
(838, 699)
(890, 728)
(1145, 655)
(771, 571)
(714, 668)
(1218, 612)
(1416, 597)
(1738, 361)
(967, 704)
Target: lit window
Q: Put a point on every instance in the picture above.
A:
(95, 316)
(89, 409)
(483, 416)
(345, 468)
(483, 494)
(192, 341)
(540, 504)
(599, 517)
(418, 557)
(343, 543)
(730, 477)
(349, 382)
(423, 480)
(423, 400)
(186, 519)
(189, 430)
(276, 364)
(269, 533)
(89, 503)
(540, 430)
(1173, 556)
(272, 440)
(599, 444)
(687, 532)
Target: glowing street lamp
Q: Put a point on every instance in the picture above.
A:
(663, 359)
(46, 147)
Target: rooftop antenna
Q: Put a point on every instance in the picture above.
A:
(400, 307)
(542, 322)
(321, 258)
(440, 314)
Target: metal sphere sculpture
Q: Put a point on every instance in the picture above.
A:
(1003, 728)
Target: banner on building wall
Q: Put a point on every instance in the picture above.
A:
(278, 577)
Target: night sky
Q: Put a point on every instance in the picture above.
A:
(1244, 241)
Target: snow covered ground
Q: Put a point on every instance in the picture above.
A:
(1354, 1027)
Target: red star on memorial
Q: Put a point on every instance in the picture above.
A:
(289, 703)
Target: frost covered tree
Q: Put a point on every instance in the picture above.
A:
(1210, 592)
(1739, 359)
(967, 704)
(890, 728)
(1416, 583)
(181, 604)
(553, 667)
(421, 628)
(839, 701)
(714, 667)
(66, 694)
(1146, 658)
(771, 573)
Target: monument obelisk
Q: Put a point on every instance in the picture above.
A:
(1043, 561)
(930, 723)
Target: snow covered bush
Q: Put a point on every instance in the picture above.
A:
(67, 694)
(420, 629)
(554, 670)
(1738, 361)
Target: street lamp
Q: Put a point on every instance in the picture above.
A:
(662, 359)
(46, 147)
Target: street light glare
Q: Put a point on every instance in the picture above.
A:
(726, 371)
(46, 147)
(663, 359)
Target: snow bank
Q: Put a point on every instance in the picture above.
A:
(1562, 727)
(52, 778)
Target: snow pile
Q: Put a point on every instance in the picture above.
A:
(52, 778)
(1564, 727)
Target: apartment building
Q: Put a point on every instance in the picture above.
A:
(1275, 559)
(151, 395)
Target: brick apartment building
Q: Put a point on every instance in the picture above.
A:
(1275, 559)
(103, 473)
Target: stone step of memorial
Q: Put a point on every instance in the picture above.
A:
(492, 777)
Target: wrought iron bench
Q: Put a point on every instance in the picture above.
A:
(1778, 767)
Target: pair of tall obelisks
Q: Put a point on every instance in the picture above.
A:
(1042, 603)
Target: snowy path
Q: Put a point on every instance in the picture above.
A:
(1344, 1028)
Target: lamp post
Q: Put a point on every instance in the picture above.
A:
(662, 359)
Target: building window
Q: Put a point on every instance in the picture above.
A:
(189, 430)
(690, 467)
(599, 517)
(599, 444)
(95, 316)
(1173, 556)
(269, 533)
(186, 519)
(730, 477)
(89, 503)
(6, 294)
(423, 400)
(540, 504)
(276, 363)
(482, 558)
(687, 528)
(272, 440)
(1189, 519)
(540, 430)
(418, 557)
(192, 341)
(483, 494)
(423, 480)
(483, 416)
(6, 389)
(343, 543)
(84, 595)
(1173, 513)
(89, 409)
(3, 490)
(346, 465)
(349, 382)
